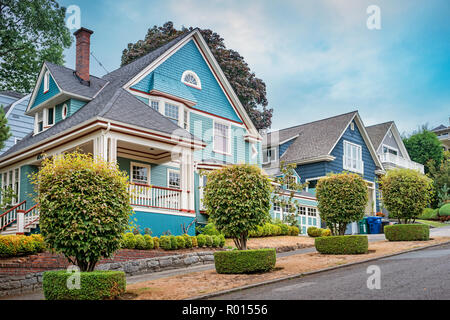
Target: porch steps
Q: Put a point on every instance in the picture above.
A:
(10, 219)
(12, 229)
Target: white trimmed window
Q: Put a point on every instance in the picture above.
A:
(154, 104)
(140, 173)
(173, 178)
(51, 116)
(302, 210)
(46, 81)
(11, 179)
(64, 111)
(270, 155)
(312, 212)
(191, 79)
(276, 207)
(290, 180)
(353, 157)
(387, 149)
(222, 138)
(39, 118)
(171, 111)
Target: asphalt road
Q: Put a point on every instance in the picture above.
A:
(423, 274)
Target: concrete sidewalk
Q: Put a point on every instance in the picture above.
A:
(38, 295)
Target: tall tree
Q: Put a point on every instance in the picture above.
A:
(423, 145)
(250, 89)
(4, 128)
(31, 32)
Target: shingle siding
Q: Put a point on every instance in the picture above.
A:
(41, 96)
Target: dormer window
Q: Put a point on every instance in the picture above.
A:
(39, 122)
(191, 79)
(46, 81)
(50, 116)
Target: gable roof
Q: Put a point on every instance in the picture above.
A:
(377, 132)
(315, 139)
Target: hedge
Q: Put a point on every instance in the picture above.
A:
(19, 245)
(272, 230)
(244, 261)
(407, 232)
(355, 244)
(95, 285)
(318, 232)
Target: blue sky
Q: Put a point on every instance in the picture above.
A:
(317, 57)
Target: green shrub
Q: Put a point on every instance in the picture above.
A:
(173, 242)
(209, 230)
(140, 242)
(427, 214)
(187, 241)
(293, 231)
(20, 245)
(266, 230)
(325, 232)
(164, 243)
(405, 193)
(444, 210)
(284, 229)
(129, 241)
(221, 240)
(181, 243)
(342, 198)
(215, 241)
(407, 232)
(201, 240)
(314, 232)
(84, 206)
(95, 285)
(209, 241)
(39, 242)
(149, 244)
(156, 242)
(355, 244)
(244, 261)
(195, 242)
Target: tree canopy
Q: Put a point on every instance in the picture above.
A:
(250, 89)
(422, 146)
(31, 32)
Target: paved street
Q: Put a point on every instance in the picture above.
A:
(424, 274)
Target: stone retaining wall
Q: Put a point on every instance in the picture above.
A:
(18, 284)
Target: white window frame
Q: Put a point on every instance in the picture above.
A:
(287, 184)
(169, 171)
(302, 210)
(47, 110)
(151, 101)
(36, 121)
(228, 153)
(11, 182)
(352, 126)
(62, 111)
(46, 82)
(312, 212)
(274, 152)
(143, 165)
(173, 105)
(389, 147)
(196, 77)
(344, 158)
(276, 207)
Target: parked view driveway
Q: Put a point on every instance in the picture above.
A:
(424, 274)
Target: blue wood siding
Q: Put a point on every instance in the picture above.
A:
(41, 96)
(158, 172)
(26, 188)
(210, 98)
(73, 106)
(160, 223)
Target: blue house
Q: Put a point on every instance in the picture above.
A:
(161, 118)
(14, 105)
(335, 144)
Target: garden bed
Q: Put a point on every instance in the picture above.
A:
(280, 243)
(199, 283)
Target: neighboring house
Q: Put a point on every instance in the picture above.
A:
(20, 124)
(390, 148)
(335, 144)
(443, 134)
(162, 118)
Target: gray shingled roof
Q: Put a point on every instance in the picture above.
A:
(13, 94)
(67, 81)
(314, 139)
(378, 132)
(112, 102)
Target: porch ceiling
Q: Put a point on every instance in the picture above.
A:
(132, 150)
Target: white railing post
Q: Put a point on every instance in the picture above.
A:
(20, 222)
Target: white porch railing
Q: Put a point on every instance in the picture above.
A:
(10, 216)
(400, 162)
(155, 197)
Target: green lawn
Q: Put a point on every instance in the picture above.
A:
(435, 224)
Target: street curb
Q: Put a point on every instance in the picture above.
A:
(295, 276)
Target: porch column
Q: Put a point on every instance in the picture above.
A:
(112, 149)
(100, 147)
(20, 222)
(187, 181)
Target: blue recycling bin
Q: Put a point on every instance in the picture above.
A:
(374, 224)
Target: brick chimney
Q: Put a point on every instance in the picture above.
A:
(83, 37)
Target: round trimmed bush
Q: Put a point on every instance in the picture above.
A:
(294, 231)
(407, 232)
(94, 285)
(284, 229)
(164, 243)
(173, 243)
(209, 241)
(444, 210)
(187, 241)
(155, 242)
(201, 240)
(149, 244)
(244, 261)
(314, 232)
(221, 240)
(140, 242)
(355, 244)
(129, 241)
(194, 242)
(325, 232)
(181, 243)
(215, 241)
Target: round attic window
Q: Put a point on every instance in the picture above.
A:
(191, 79)
(64, 111)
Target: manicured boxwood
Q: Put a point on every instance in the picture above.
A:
(245, 261)
(95, 285)
(20, 245)
(407, 232)
(201, 240)
(444, 210)
(355, 244)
